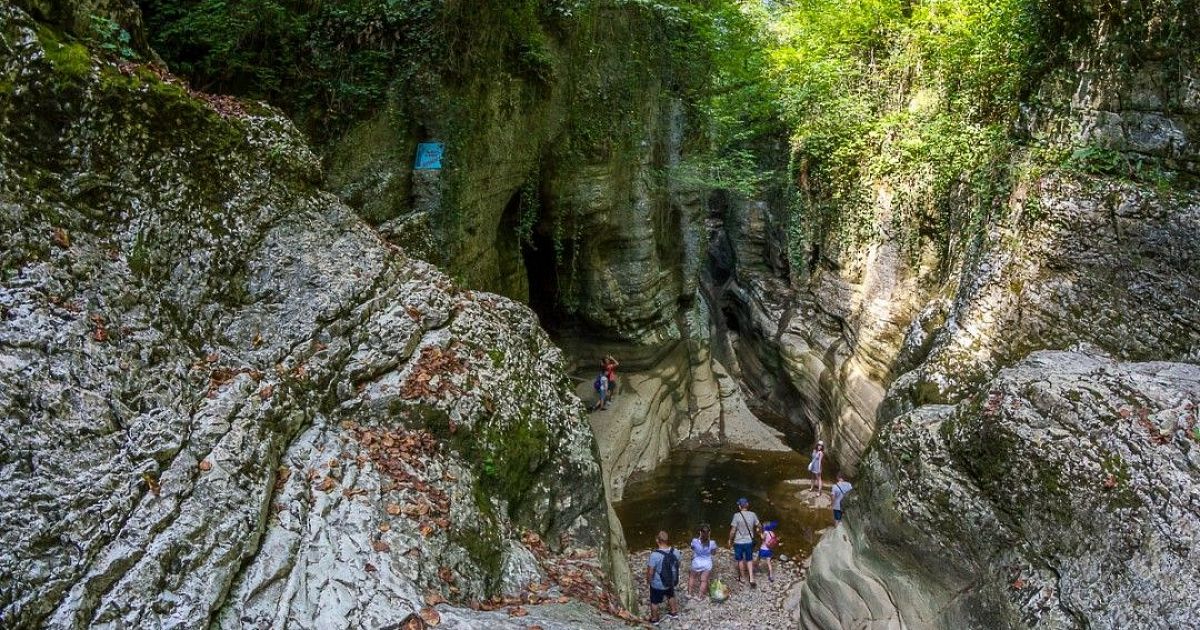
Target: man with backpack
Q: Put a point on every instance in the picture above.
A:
(662, 572)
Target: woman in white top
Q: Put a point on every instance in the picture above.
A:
(703, 548)
(814, 466)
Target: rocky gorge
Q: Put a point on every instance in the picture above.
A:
(258, 371)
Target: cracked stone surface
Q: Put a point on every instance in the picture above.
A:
(1073, 481)
(211, 372)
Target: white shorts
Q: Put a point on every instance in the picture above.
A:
(700, 565)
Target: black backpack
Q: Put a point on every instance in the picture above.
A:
(668, 571)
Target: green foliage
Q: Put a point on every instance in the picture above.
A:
(1101, 161)
(111, 37)
(912, 100)
(328, 63)
(737, 170)
(530, 208)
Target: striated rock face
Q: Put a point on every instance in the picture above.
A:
(819, 356)
(224, 399)
(552, 190)
(556, 192)
(1064, 495)
(1001, 481)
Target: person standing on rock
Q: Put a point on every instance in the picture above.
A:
(610, 370)
(601, 387)
(814, 466)
(662, 572)
(742, 530)
(839, 492)
(703, 548)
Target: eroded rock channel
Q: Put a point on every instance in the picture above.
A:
(259, 369)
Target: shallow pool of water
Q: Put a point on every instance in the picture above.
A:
(703, 486)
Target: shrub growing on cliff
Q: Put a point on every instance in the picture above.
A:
(920, 95)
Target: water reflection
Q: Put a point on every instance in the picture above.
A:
(693, 487)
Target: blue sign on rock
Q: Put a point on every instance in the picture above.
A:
(429, 156)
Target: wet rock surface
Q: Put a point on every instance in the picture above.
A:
(225, 400)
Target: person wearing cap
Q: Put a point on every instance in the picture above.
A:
(837, 494)
(742, 530)
(814, 466)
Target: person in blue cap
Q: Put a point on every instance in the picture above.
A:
(742, 531)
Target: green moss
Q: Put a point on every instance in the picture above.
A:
(1121, 495)
(68, 58)
(504, 458)
(140, 256)
(497, 357)
(484, 546)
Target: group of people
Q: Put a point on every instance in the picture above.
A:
(745, 529)
(662, 567)
(839, 490)
(605, 383)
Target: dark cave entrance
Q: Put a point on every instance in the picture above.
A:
(541, 270)
(510, 271)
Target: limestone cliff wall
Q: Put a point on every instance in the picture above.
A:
(555, 176)
(1000, 485)
(556, 193)
(225, 399)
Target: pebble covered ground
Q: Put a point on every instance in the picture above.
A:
(769, 605)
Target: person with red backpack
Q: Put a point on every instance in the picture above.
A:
(662, 572)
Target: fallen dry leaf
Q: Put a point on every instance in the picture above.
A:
(381, 546)
(99, 332)
(205, 465)
(517, 611)
(413, 622)
(61, 237)
(393, 509)
(266, 392)
(431, 616)
(151, 482)
(433, 598)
